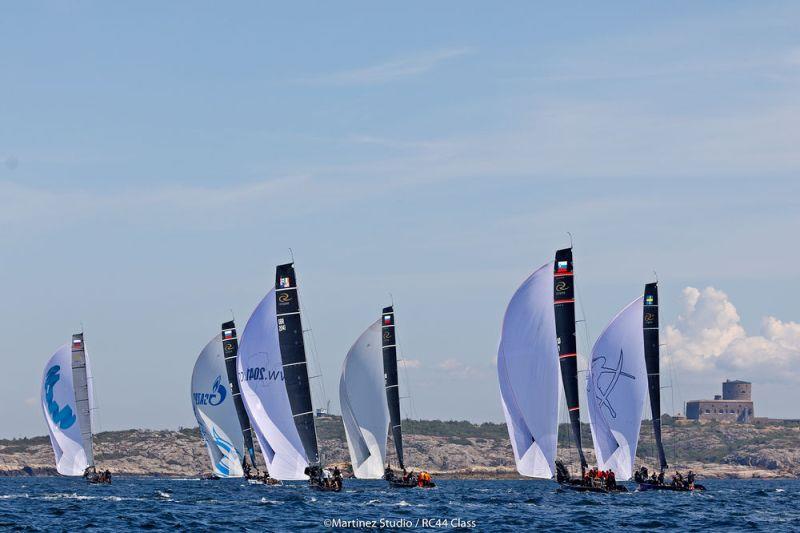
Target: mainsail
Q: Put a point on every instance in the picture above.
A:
(389, 344)
(82, 383)
(230, 348)
(651, 359)
(261, 381)
(67, 401)
(364, 411)
(564, 304)
(215, 411)
(293, 357)
(527, 367)
(616, 390)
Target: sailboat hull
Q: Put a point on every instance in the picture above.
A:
(316, 485)
(577, 486)
(409, 484)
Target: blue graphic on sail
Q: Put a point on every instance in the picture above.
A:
(62, 417)
(229, 456)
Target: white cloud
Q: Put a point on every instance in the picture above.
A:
(709, 338)
(455, 368)
(405, 67)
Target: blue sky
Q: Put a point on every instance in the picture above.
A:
(158, 160)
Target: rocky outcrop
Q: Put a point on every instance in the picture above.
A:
(457, 449)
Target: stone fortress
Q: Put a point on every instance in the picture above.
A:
(735, 404)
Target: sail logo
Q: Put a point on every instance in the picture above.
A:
(229, 455)
(284, 298)
(215, 397)
(611, 375)
(61, 417)
(262, 374)
(561, 286)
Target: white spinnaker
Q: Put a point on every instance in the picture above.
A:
(365, 412)
(527, 367)
(60, 412)
(616, 390)
(260, 370)
(212, 402)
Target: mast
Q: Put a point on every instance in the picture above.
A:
(293, 357)
(389, 344)
(564, 306)
(80, 380)
(651, 359)
(230, 348)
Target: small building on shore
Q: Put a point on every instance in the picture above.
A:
(734, 405)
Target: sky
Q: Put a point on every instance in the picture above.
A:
(158, 160)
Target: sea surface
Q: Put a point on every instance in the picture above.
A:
(56, 503)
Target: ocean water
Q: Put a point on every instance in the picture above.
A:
(47, 504)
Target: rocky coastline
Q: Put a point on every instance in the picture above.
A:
(455, 449)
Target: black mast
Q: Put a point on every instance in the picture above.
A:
(293, 357)
(651, 355)
(230, 349)
(564, 302)
(390, 379)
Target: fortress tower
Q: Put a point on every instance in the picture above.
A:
(735, 404)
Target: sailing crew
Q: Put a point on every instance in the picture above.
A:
(660, 478)
(611, 480)
(388, 474)
(690, 479)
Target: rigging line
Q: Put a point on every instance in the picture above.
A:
(585, 322)
(673, 385)
(409, 392)
(304, 313)
(313, 345)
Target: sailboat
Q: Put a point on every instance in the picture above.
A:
(392, 386)
(616, 387)
(68, 402)
(652, 348)
(213, 402)
(362, 398)
(275, 387)
(537, 343)
(230, 349)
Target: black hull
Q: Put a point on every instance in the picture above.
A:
(399, 484)
(580, 487)
(336, 487)
(649, 486)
